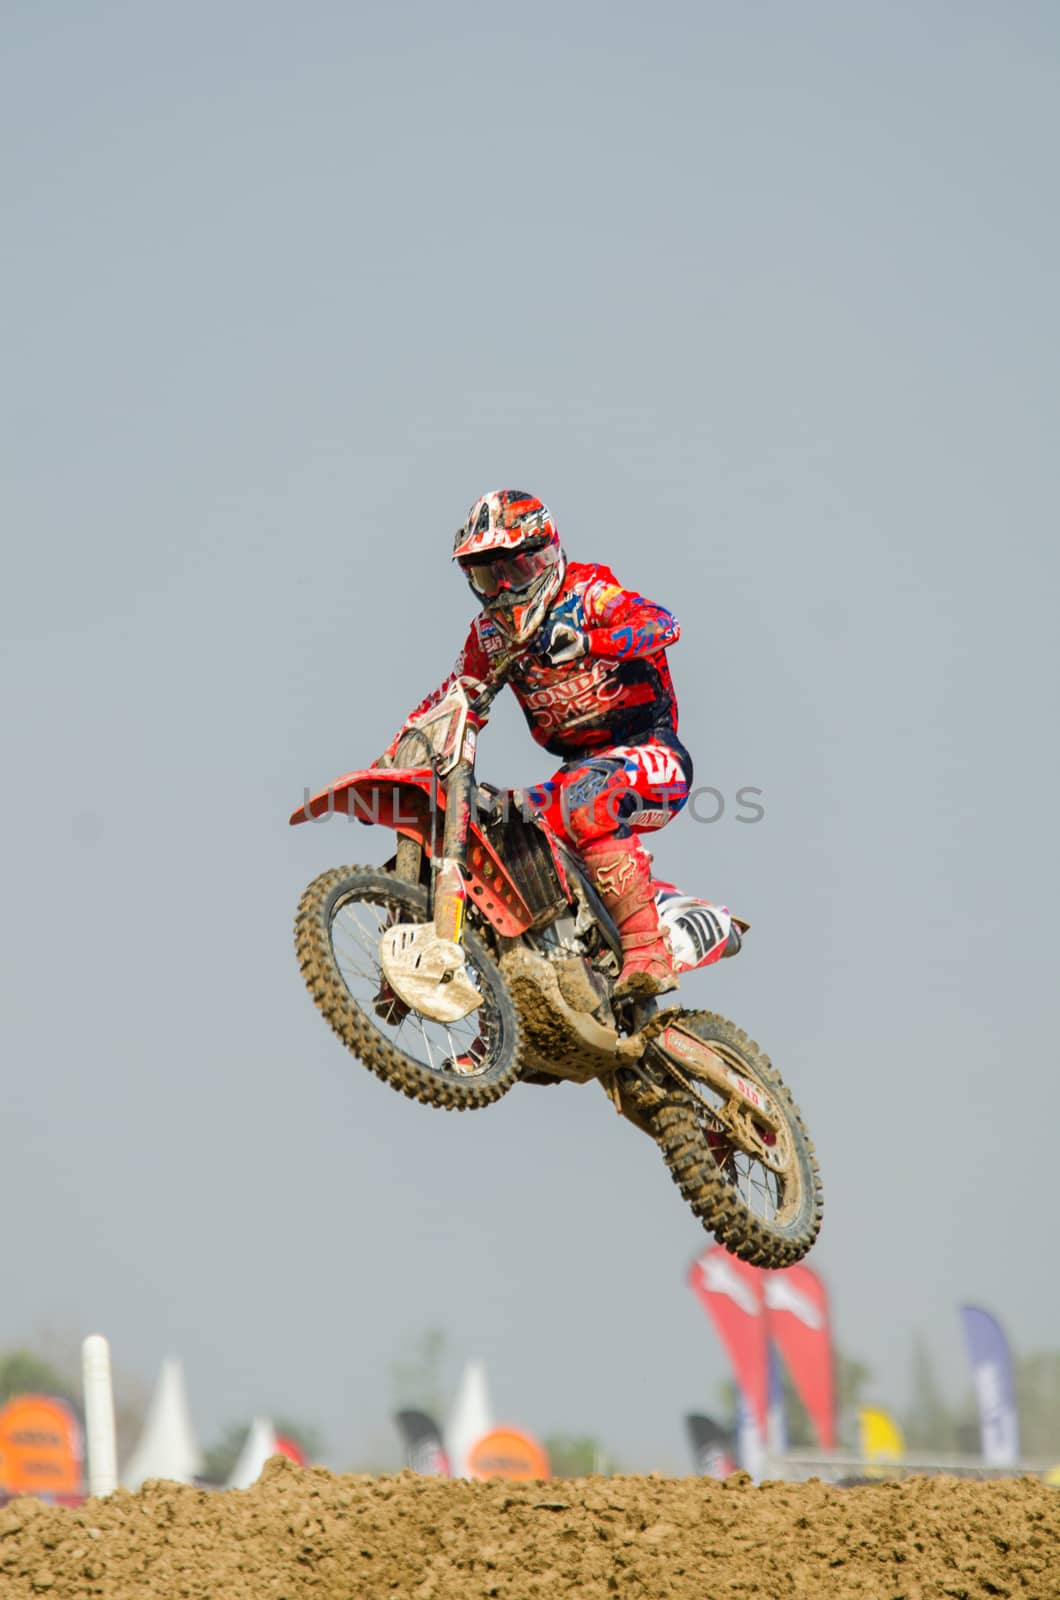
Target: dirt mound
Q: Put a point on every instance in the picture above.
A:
(313, 1534)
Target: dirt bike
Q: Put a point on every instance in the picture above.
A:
(480, 956)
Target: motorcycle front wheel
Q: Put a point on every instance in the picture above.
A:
(458, 1066)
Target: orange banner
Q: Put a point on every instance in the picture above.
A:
(507, 1453)
(40, 1447)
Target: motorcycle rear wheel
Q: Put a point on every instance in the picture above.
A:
(467, 1064)
(766, 1213)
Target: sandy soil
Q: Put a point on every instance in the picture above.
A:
(310, 1533)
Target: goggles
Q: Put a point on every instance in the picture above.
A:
(489, 578)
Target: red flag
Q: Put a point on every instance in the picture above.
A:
(291, 1449)
(797, 1305)
(731, 1291)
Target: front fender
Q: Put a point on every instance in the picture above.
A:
(394, 797)
(410, 800)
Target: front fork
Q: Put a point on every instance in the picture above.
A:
(450, 891)
(450, 894)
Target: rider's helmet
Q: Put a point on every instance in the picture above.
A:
(511, 556)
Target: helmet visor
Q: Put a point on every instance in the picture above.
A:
(514, 572)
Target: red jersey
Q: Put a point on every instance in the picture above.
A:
(619, 692)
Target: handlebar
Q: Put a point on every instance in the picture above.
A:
(499, 675)
(500, 670)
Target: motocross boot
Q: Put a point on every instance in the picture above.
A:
(620, 870)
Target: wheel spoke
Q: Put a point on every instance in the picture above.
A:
(352, 926)
(755, 1183)
(757, 1186)
(360, 972)
(427, 1042)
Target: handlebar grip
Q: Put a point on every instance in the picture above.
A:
(499, 675)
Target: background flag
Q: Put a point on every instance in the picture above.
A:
(800, 1327)
(713, 1447)
(880, 1436)
(469, 1419)
(286, 1446)
(750, 1441)
(258, 1447)
(731, 1291)
(995, 1389)
(776, 1420)
(422, 1438)
(167, 1447)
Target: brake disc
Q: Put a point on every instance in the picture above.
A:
(428, 973)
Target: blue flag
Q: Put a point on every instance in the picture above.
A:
(995, 1389)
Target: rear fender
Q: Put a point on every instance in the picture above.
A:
(410, 800)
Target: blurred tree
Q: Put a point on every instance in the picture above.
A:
(416, 1375)
(578, 1456)
(1038, 1399)
(801, 1431)
(852, 1378)
(220, 1459)
(930, 1423)
(22, 1371)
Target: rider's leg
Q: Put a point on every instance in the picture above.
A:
(596, 804)
(620, 869)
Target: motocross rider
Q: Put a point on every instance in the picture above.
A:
(591, 676)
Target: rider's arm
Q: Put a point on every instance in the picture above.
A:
(624, 625)
(472, 667)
